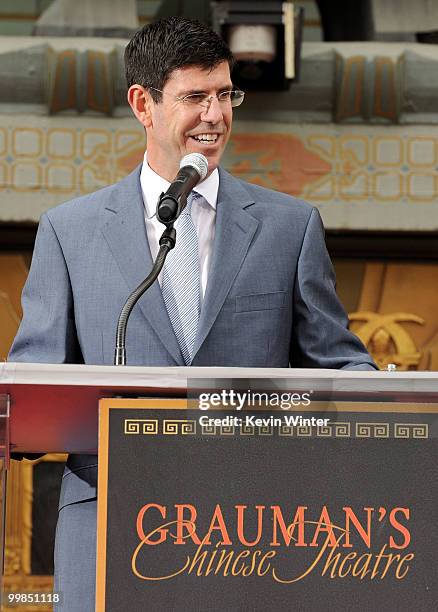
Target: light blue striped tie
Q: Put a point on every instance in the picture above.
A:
(180, 283)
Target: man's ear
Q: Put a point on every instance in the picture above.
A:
(140, 101)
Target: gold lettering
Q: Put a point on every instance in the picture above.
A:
(267, 555)
(228, 557)
(198, 557)
(389, 562)
(408, 557)
(318, 557)
(331, 559)
(244, 553)
(378, 559)
(351, 555)
(363, 571)
(250, 569)
(140, 546)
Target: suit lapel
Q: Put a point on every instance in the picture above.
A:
(235, 229)
(125, 233)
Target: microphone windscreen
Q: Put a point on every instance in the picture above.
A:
(198, 162)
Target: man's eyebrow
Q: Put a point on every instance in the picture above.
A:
(189, 92)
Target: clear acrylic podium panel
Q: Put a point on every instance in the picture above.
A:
(65, 396)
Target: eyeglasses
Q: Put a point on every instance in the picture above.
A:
(233, 97)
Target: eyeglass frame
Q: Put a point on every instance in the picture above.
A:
(208, 99)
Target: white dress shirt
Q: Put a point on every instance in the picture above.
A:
(203, 215)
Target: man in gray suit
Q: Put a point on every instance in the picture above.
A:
(265, 286)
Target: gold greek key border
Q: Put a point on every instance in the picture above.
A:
(151, 427)
(411, 430)
(183, 427)
(372, 430)
(179, 426)
(143, 426)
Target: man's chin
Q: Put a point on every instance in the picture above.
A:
(212, 164)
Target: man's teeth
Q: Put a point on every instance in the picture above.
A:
(206, 137)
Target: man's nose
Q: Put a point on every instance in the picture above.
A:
(213, 113)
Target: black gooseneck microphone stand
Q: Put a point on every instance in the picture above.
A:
(167, 243)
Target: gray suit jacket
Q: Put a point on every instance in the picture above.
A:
(270, 299)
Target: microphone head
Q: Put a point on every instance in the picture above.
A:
(198, 162)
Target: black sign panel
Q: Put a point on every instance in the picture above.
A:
(263, 514)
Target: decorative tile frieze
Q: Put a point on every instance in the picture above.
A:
(360, 177)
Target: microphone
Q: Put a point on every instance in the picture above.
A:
(193, 169)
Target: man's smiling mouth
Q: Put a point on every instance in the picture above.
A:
(206, 138)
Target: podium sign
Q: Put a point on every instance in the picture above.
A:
(250, 510)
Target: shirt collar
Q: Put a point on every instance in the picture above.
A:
(153, 185)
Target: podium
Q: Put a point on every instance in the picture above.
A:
(209, 502)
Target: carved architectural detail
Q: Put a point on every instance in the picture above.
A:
(387, 340)
(396, 314)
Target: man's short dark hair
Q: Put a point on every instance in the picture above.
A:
(161, 47)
